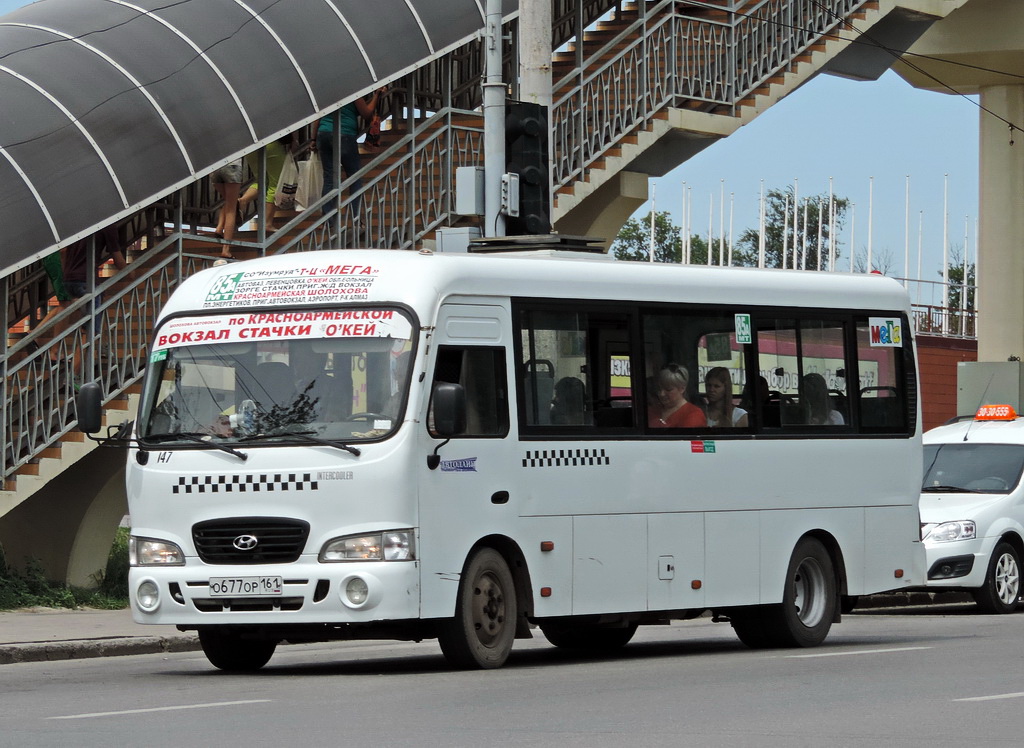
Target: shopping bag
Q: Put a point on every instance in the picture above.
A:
(287, 184)
(311, 182)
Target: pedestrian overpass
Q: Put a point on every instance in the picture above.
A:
(636, 90)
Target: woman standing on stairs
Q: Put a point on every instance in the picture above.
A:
(348, 156)
(227, 180)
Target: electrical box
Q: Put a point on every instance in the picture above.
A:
(469, 190)
(456, 239)
(988, 383)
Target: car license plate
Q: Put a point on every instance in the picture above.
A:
(245, 586)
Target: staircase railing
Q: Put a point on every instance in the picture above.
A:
(670, 55)
(663, 57)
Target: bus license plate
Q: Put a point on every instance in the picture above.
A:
(245, 586)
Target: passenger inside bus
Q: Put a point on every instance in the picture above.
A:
(816, 403)
(672, 409)
(722, 412)
(568, 406)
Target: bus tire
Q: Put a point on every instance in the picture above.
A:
(809, 603)
(588, 637)
(810, 598)
(481, 633)
(232, 652)
(1001, 590)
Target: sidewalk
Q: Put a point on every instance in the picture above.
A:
(41, 634)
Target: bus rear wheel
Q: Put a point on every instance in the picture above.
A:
(481, 633)
(233, 652)
(590, 637)
(809, 604)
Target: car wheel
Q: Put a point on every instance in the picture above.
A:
(1001, 590)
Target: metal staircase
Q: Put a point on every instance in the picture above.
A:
(637, 88)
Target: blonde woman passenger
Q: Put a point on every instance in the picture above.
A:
(718, 392)
(672, 410)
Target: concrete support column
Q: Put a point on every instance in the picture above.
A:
(1001, 227)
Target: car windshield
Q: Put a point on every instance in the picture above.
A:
(305, 377)
(972, 468)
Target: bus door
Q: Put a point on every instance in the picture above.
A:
(468, 495)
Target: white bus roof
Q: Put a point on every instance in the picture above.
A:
(422, 279)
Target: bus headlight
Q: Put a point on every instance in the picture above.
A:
(946, 532)
(150, 552)
(393, 545)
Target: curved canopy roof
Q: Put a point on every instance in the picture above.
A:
(110, 104)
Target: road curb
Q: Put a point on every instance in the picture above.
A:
(76, 649)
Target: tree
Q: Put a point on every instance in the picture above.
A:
(634, 241)
(779, 215)
(956, 281)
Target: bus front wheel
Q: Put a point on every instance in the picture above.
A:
(234, 653)
(481, 633)
(809, 604)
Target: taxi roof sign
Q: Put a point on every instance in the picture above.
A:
(995, 413)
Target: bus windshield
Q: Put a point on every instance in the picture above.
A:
(230, 378)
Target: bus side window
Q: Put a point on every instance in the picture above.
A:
(481, 372)
(882, 408)
(805, 364)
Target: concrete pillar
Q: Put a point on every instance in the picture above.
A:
(1001, 226)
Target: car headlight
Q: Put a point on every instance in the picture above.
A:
(945, 532)
(393, 545)
(150, 552)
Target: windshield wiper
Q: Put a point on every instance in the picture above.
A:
(308, 436)
(947, 489)
(198, 438)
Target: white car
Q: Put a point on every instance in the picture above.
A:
(972, 507)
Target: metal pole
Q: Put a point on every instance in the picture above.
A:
(494, 122)
(535, 55)
(651, 247)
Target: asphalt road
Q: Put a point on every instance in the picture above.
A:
(938, 676)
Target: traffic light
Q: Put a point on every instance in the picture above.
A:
(526, 154)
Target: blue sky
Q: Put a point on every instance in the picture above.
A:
(850, 131)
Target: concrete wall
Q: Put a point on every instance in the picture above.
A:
(69, 525)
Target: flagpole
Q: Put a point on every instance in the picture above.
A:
(760, 229)
(871, 209)
(653, 188)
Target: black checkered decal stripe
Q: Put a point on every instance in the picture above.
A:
(565, 458)
(246, 483)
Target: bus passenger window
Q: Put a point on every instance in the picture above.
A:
(880, 392)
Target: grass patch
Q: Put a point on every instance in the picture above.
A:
(30, 587)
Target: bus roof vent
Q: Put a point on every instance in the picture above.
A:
(535, 242)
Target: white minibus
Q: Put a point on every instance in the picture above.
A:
(471, 447)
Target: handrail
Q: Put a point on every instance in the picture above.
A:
(407, 189)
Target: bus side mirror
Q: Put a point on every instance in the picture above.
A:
(88, 403)
(449, 408)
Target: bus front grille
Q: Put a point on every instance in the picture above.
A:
(250, 540)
